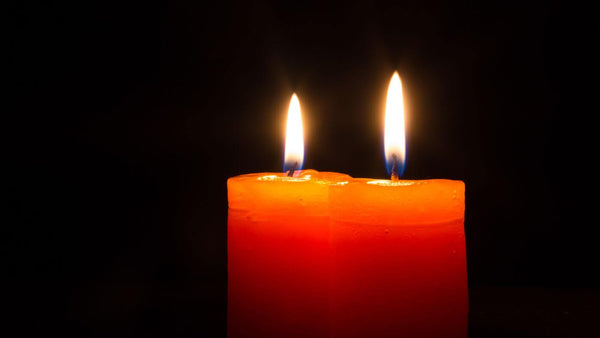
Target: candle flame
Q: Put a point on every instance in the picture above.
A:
(394, 137)
(294, 139)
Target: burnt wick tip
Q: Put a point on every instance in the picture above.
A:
(395, 176)
(292, 170)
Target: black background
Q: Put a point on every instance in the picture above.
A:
(128, 118)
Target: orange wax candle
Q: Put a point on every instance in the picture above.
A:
(321, 254)
(399, 262)
(278, 246)
(279, 254)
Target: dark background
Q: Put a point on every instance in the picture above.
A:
(128, 118)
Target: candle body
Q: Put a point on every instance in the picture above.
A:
(399, 261)
(279, 255)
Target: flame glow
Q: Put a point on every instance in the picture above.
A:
(294, 138)
(394, 137)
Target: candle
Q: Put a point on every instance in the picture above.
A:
(399, 262)
(278, 247)
(316, 254)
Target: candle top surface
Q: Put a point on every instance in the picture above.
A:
(415, 202)
(275, 193)
(309, 175)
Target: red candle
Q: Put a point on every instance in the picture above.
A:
(399, 262)
(399, 265)
(321, 254)
(278, 248)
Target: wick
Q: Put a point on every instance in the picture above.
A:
(290, 173)
(395, 177)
